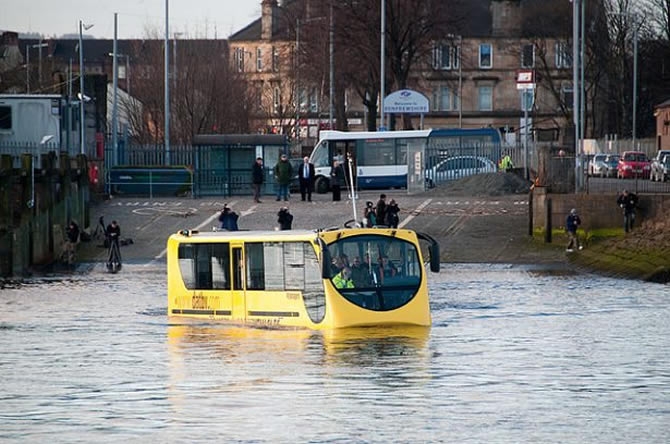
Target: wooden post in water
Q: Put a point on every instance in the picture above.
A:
(547, 222)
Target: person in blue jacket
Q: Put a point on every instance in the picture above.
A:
(572, 223)
(228, 219)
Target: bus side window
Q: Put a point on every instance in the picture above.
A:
(254, 256)
(203, 267)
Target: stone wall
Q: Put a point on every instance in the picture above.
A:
(35, 204)
(595, 210)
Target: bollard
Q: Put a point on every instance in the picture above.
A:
(547, 222)
(530, 214)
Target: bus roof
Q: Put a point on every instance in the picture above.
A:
(436, 132)
(348, 135)
(244, 235)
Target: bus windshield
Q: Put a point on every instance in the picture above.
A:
(375, 272)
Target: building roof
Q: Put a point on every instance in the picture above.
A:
(477, 21)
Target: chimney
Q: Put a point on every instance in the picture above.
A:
(268, 17)
(506, 18)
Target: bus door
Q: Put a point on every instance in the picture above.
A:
(416, 164)
(350, 153)
(239, 302)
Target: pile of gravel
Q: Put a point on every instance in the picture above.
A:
(487, 184)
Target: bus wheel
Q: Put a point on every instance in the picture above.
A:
(321, 185)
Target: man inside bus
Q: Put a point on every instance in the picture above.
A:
(343, 279)
(360, 273)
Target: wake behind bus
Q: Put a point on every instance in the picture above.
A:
(406, 159)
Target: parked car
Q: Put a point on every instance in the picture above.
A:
(456, 167)
(597, 165)
(633, 164)
(659, 166)
(611, 164)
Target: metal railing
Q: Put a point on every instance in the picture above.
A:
(36, 149)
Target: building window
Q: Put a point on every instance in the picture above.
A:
(485, 98)
(259, 59)
(563, 55)
(567, 95)
(276, 99)
(485, 56)
(445, 99)
(5, 117)
(446, 56)
(313, 102)
(239, 59)
(528, 56)
(275, 59)
(527, 99)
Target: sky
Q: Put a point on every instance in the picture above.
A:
(191, 18)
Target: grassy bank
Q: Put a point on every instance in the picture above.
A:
(638, 255)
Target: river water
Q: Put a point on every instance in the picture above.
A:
(515, 354)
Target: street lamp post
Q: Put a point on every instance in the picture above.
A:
(297, 79)
(175, 36)
(458, 59)
(82, 97)
(382, 74)
(635, 37)
(331, 44)
(167, 84)
(115, 68)
(635, 43)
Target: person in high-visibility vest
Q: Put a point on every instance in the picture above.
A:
(506, 163)
(343, 279)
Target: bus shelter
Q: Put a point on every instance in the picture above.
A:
(222, 162)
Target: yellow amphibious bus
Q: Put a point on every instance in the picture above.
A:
(323, 279)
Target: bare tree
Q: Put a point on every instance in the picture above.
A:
(411, 27)
(658, 12)
(206, 96)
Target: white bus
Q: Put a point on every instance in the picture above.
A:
(399, 159)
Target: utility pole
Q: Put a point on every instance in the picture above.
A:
(297, 79)
(82, 96)
(331, 106)
(115, 70)
(382, 74)
(575, 91)
(167, 84)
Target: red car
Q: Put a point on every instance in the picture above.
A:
(633, 164)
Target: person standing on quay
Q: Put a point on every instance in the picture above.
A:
(336, 180)
(627, 201)
(572, 222)
(283, 174)
(306, 177)
(381, 209)
(257, 178)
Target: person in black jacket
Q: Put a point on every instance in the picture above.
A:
(336, 180)
(113, 233)
(284, 218)
(306, 177)
(627, 201)
(228, 219)
(72, 235)
(257, 178)
(392, 211)
(381, 209)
